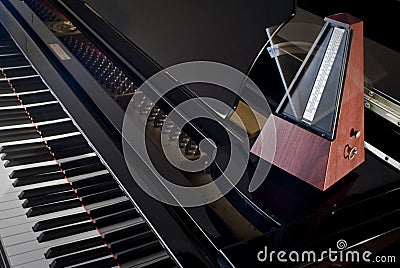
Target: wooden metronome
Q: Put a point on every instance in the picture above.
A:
(319, 124)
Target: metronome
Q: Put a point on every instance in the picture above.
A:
(319, 123)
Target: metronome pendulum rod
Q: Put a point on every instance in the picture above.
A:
(289, 89)
(274, 52)
(323, 74)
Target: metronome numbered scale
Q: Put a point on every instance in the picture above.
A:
(319, 124)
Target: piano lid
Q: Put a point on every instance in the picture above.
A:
(230, 32)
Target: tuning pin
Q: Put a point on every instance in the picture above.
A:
(191, 148)
(174, 133)
(168, 126)
(145, 107)
(153, 114)
(159, 120)
(183, 140)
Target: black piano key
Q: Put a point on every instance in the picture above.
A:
(60, 221)
(37, 98)
(9, 101)
(72, 151)
(73, 247)
(20, 137)
(12, 112)
(56, 145)
(132, 241)
(102, 263)
(77, 258)
(126, 232)
(102, 196)
(5, 89)
(66, 151)
(164, 263)
(139, 251)
(18, 115)
(13, 61)
(46, 209)
(17, 131)
(9, 50)
(29, 180)
(20, 72)
(44, 190)
(21, 147)
(47, 112)
(116, 218)
(84, 170)
(28, 84)
(28, 160)
(47, 199)
(32, 152)
(97, 188)
(7, 43)
(45, 108)
(80, 162)
(34, 171)
(107, 210)
(92, 180)
(65, 231)
(48, 116)
(14, 122)
(57, 129)
(67, 142)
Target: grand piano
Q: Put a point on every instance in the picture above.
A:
(69, 195)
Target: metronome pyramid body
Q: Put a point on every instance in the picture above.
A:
(320, 127)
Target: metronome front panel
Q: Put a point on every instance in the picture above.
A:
(315, 93)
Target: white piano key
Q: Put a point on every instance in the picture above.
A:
(21, 253)
(20, 220)
(29, 235)
(10, 231)
(55, 137)
(73, 158)
(35, 245)
(22, 237)
(88, 175)
(7, 196)
(27, 258)
(19, 77)
(41, 263)
(107, 202)
(10, 55)
(15, 67)
(5, 206)
(10, 222)
(28, 105)
(38, 164)
(19, 189)
(8, 209)
(24, 93)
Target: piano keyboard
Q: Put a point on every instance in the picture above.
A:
(59, 205)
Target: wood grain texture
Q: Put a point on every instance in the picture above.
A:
(297, 151)
(351, 110)
(310, 157)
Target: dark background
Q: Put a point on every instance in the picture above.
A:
(381, 18)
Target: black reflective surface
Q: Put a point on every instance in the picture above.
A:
(170, 33)
(284, 211)
(283, 200)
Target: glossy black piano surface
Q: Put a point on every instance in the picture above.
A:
(138, 39)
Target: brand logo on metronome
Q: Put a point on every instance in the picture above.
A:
(137, 150)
